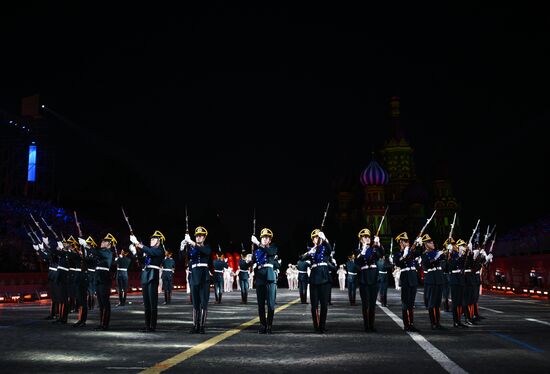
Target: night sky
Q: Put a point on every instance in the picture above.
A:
(313, 83)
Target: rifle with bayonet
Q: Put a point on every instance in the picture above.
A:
(50, 228)
(79, 229)
(253, 230)
(382, 221)
(37, 225)
(488, 235)
(325, 216)
(413, 246)
(30, 235)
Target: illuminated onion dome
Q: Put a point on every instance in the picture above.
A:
(374, 174)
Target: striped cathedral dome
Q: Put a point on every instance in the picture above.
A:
(374, 174)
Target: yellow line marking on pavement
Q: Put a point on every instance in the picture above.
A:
(180, 357)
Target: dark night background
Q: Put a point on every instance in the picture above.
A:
(228, 108)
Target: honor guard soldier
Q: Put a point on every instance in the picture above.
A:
(81, 278)
(50, 258)
(320, 279)
(168, 267)
(456, 266)
(91, 263)
(264, 263)
(368, 278)
(219, 266)
(384, 272)
(433, 280)
(244, 266)
(150, 276)
(468, 304)
(123, 262)
(444, 261)
(408, 279)
(104, 260)
(198, 256)
(63, 278)
(351, 269)
(479, 259)
(303, 278)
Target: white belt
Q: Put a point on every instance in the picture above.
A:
(302, 271)
(172, 270)
(433, 269)
(265, 266)
(75, 269)
(319, 264)
(456, 271)
(91, 270)
(52, 269)
(478, 272)
(382, 272)
(407, 269)
(468, 270)
(101, 268)
(200, 264)
(153, 267)
(119, 269)
(351, 273)
(62, 268)
(368, 266)
(218, 271)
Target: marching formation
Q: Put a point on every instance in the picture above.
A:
(79, 271)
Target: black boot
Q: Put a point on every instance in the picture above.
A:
(323, 321)
(169, 297)
(147, 327)
(263, 323)
(437, 313)
(447, 305)
(106, 319)
(165, 298)
(220, 298)
(270, 314)
(53, 308)
(372, 313)
(315, 318)
(101, 315)
(204, 313)
(124, 297)
(195, 328)
(411, 321)
(366, 319)
(405, 316)
(154, 315)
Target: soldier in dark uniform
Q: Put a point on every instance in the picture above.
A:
(73, 276)
(198, 256)
(468, 303)
(351, 276)
(123, 262)
(446, 288)
(91, 263)
(303, 278)
(368, 279)
(456, 266)
(244, 265)
(62, 279)
(150, 275)
(320, 280)
(433, 281)
(104, 259)
(80, 278)
(168, 267)
(219, 264)
(384, 271)
(264, 263)
(480, 257)
(43, 251)
(408, 279)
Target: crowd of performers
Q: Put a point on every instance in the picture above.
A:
(79, 271)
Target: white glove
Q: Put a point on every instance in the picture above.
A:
(334, 261)
(483, 253)
(476, 253)
(312, 250)
(134, 240)
(322, 235)
(406, 252)
(133, 249)
(41, 246)
(82, 242)
(469, 246)
(438, 255)
(376, 241)
(46, 241)
(35, 246)
(255, 240)
(418, 241)
(449, 247)
(419, 260)
(489, 257)
(225, 259)
(363, 251)
(59, 245)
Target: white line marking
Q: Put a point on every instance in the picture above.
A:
(490, 310)
(538, 321)
(440, 357)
